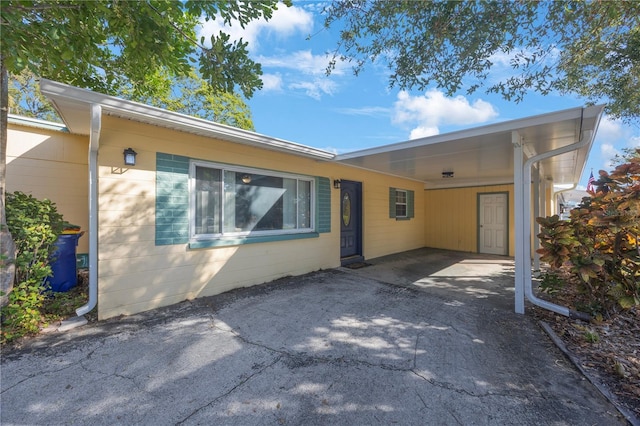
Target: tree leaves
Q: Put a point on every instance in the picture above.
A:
(588, 48)
(100, 45)
(189, 95)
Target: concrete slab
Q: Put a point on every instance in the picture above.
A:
(71, 323)
(424, 337)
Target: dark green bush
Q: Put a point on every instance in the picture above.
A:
(34, 225)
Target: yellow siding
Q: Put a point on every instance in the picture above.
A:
(384, 235)
(136, 275)
(51, 164)
(451, 217)
(549, 207)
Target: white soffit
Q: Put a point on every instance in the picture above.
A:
(484, 155)
(74, 105)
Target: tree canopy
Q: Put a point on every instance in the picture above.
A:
(591, 48)
(104, 45)
(25, 98)
(189, 95)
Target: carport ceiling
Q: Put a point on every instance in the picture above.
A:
(484, 155)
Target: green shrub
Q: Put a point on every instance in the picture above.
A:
(551, 283)
(591, 336)
(34, 225)
(598, 249)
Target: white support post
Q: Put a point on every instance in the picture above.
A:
(536, 212)
(518, 190)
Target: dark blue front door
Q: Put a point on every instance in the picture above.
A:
(350, 219)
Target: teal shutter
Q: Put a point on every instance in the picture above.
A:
(172, 199)
(323, 205)
(392, 203)
(410, 203)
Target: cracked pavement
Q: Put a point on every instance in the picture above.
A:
(424, 337)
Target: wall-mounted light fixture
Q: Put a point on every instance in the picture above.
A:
(336, 183)
(246, 178)
(129, 157)
(447, 174)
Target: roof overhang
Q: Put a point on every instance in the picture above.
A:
(473, 157)
(484, 155)
(74, 106)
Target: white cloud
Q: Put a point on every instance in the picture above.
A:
(432, 110)
(612, 137)
(289, 20)
(423, 132)
(316, 88)
(302, 61)
(366, 111)
(608, 152)
(609, 129)
(303, 71)
(271, 82)
(285, 22)
(299, 70)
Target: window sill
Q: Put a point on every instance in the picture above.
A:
(237, 241)
(402, 218)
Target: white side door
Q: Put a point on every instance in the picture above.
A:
(493, 223)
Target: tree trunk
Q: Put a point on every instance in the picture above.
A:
(7, 246)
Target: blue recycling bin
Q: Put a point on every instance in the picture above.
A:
(63, 263)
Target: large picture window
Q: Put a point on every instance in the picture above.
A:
(228, 201)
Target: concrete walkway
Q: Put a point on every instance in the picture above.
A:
(425, 337)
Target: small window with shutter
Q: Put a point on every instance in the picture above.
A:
(401, 204)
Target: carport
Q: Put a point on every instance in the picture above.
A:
(540, 156)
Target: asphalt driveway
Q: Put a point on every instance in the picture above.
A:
(425, 337)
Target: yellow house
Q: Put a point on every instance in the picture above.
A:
(205, 208)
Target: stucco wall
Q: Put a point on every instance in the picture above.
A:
(51, 164)
(135, 274)
(451, 221)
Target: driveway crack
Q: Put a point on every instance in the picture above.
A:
(230, 391)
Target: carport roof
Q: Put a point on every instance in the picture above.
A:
(477, 156)
(484, 155)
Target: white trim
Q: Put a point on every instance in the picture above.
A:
(466, 183)
(405, 204)
(242, 169)
(36, 122)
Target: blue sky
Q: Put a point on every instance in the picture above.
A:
(343, 113)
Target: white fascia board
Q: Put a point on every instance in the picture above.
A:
(467, 183)
(502, 127)
(37, 123)
(163, 118)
